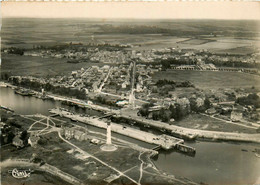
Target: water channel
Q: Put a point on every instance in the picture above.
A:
(214, 162)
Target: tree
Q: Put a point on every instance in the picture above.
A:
(207, 103)
(251, 99)
(165, 115)
(172, 108)
(193, 105)
(155, 115)
(178, 112)
(144, 112)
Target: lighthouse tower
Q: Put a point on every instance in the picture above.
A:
(109, 134)
(109, 147)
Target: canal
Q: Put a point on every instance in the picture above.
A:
(214, 162)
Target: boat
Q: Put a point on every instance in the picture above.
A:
(73, 119)
(24, 92)
(6, 108)
(257, 152)
(30, 93)
(257, 155)
(148, 126)
(163, 130)
(3, 85)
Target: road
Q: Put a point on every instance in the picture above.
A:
(103, 83)
(141, 168)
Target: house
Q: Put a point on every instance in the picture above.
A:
(139, 88)
(69, 133)
(78, 135)
(33, 140)
(122, 103)
(211, 111)
(237, 114)
(124, 85)
(18, 142)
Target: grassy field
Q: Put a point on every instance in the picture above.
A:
(202, 122)
(211, 79)
(40, 67)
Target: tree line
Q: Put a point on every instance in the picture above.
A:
(175, 111)
(61, 90)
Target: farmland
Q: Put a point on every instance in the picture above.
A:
(37, 66)
(143, 34)
(211, 80)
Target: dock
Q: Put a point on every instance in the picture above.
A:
(164, 141)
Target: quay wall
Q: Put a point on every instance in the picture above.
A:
(166, 142)
(195, 133)
(186, 133)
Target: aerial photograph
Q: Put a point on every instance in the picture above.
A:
(125, 93)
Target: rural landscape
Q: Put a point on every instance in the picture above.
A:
(125, 101)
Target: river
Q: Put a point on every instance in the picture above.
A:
(214, 162)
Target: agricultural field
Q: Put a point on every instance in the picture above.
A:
(196, 41)
(39, 67)
(211, 79)
(243, 50)
(214, 35)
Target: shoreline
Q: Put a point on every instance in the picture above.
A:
(185, 133)
(148, 156)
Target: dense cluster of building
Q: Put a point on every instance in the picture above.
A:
(107, 53)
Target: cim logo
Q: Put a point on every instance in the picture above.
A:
(20, 173)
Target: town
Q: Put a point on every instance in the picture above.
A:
(141, 107)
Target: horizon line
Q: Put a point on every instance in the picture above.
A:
(128, 18)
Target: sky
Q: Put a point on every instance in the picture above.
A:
(133, 10)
